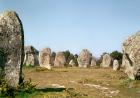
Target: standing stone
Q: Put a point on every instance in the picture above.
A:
(31, 56)
(116, 65)
(45, 58)
(131, 56)
(93, 62)
(11, 47)
(60, 60)
(72, 63)
(107, 60)
(84, 59)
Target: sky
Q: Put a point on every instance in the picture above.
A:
(97, 25)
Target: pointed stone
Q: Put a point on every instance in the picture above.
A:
(84, 59)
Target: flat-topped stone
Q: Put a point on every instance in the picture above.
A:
(107, 60)
(60, 60)
(45, 58)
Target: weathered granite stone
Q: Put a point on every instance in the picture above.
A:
(60, 60)
(84, 59)
(31, 56)
(116, 65)
(93, 62)
(45, 58)
(107, 61)
(12, 47)
(131, 56)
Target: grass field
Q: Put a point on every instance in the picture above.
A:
(81, 83)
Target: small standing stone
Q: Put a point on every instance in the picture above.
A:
(12, 47)
(72, 63)
(116, 65)
(45, 58)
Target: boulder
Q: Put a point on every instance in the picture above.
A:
(84, 59)
(45, 58)
(131, 56)
(93, 62)
(60, 60)
(116, 65)
(11, 47)
(107, 60)
(31, 56)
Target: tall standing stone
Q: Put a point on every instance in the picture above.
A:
(31, 56)
(116, 65)
(131, 56)
(45, 58)
(84, 59)
(107, 60)
(12, 47)
(60, 60)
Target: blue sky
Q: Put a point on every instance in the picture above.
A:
(98, 25)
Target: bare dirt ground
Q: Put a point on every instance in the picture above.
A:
(83, 83)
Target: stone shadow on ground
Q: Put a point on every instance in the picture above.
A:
(51, 89)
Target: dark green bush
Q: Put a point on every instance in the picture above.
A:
(5, 90)
(11, 92)
(26, 86)
(75, 59)
(69, 56)
(117, 55)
